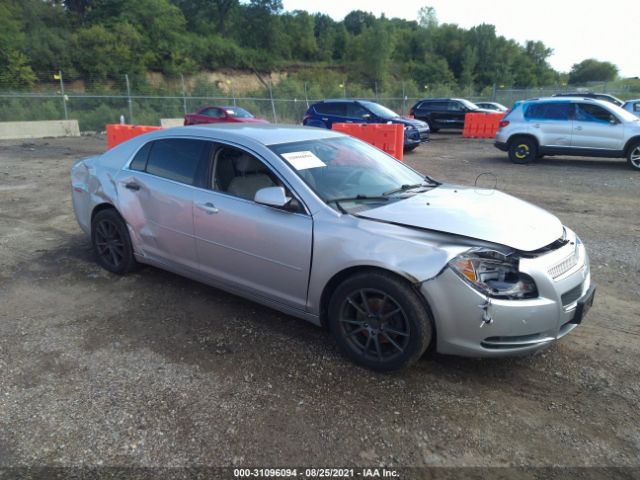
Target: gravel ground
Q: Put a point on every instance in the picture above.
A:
(152, 369)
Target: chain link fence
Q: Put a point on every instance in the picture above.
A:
(95, 102)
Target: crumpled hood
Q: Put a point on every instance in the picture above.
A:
(484, 214)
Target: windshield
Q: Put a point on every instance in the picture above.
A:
(237, 112)
(621, 112)
(349, 170)
(379, 110)
(468, 104)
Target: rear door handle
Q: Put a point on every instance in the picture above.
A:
(208, 207)
(132, 186)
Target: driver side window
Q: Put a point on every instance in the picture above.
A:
(239, 173)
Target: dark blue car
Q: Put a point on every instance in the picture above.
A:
(327, 112)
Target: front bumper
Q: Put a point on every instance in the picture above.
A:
(518, 326)
(415, 136)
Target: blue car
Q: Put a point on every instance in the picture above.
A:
(327, 112)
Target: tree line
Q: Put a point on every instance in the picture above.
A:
(99, 39)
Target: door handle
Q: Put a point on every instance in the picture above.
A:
(208, 207)
(578, 127)
(536, 125)
(325, 119)
(132, 186)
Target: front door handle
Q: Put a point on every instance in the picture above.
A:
(536, 125)
(208, 207)
(578, 127)
(132, 186)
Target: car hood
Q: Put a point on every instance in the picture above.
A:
(251, 120)
(409, 121)
(484, 214)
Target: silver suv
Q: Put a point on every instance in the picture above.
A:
(569, 126)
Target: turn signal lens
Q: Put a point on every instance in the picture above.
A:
(465, 267)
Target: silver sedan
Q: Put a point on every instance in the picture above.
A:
(327, 228)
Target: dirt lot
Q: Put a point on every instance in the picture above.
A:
(152, 369)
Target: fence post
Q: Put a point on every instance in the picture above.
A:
(64, 101)
(376, 89)
(184, 94)
(404, 99)
(126, 78)
(493, 93)
(273, 105)
(306, 97)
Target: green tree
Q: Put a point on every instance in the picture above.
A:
(15, 71)
(592, 70)
(427, 17)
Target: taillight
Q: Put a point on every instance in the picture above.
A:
(503, 123)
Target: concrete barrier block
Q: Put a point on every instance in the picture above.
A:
(171, 122)
(40, 129)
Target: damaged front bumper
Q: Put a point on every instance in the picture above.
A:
(471, 324)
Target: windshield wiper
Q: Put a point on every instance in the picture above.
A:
(426, 183)
(338, 200)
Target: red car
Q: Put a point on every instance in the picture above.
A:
(213, 114)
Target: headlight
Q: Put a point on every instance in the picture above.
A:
(494, 274)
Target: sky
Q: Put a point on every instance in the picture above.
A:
(575, 30)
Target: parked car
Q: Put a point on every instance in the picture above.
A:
(211, 114)
(330, 229)
(495, 106)
(632, 106)
(327, 112)
(569, 126)
(598, 96)
(444, 112)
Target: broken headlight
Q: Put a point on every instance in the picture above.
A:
(494, 274)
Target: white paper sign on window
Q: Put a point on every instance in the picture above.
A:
(303, 160)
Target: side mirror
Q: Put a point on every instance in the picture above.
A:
(272, 196)
(613, 120)
(366, 116)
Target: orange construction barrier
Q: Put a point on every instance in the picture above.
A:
(118, 133)
(388, 137)
(481, 125)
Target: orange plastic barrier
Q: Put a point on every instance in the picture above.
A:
(386, 136)
(117, 133)
(481, 125)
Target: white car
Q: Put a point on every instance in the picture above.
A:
(584, 127)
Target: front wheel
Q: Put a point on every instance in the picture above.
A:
(522, 150)
(379, 321)
(633, 157)
(111, 242)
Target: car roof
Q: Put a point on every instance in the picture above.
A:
(244, 133)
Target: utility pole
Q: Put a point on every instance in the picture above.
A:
(184, 94)
(64, 99)
(273, 105)
(126, 78)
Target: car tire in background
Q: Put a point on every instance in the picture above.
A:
(379, 321)
(522, 150)
(111, 242)
(633, 155)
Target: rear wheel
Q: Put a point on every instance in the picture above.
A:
(432, 128)
(633, 157)
(410, 149)
(522, 150)
(379, 321)
(111, 242)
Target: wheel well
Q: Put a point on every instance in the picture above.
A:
(518, 136)
(99, 208)
(339, 277)
(630, 142)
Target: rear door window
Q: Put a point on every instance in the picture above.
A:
(548, 111)
(339, 109)
(177, 159)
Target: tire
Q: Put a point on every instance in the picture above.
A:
(431, 127)
(633, 155)
(522, 150)
(379, 321)
(111, 242)
(409, 149)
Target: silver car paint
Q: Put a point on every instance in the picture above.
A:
(285, 260)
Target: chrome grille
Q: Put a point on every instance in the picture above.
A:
(564, 266)
(572, 295)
